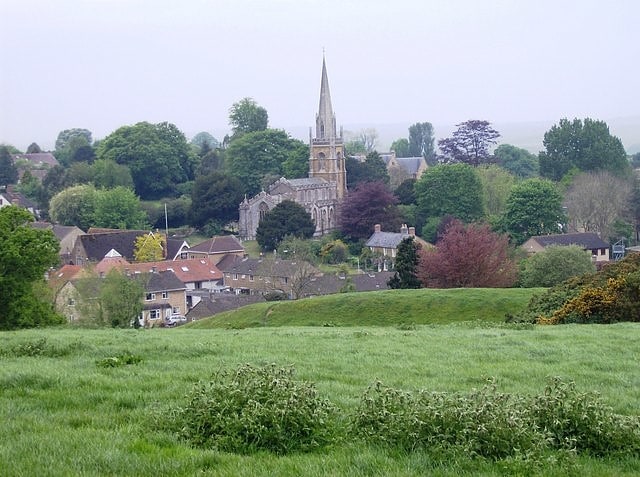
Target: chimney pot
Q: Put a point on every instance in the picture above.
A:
(377, 228)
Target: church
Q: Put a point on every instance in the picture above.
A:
(322, 192)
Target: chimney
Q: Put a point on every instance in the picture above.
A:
(376, 228)
(412, 231)
(404, 230)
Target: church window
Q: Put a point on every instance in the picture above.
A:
(321, 160)
(263, 209)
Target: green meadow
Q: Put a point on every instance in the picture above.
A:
(71, 403)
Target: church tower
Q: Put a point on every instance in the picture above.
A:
(327, 148)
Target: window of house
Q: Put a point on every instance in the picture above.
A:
(165, 295)
(154, 314)
(250, 278)
(286, 279)
(150, 296)
(175, 310)
(71, 302)
(235, 276)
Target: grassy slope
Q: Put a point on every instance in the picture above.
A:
(381, 308)
(62, 414)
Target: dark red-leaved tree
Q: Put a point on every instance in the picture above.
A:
(370, 203)
(468, 256)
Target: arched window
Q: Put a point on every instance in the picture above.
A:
(262, 210)
(321, 158)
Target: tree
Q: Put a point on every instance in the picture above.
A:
(596, 200)
(286, 218)
(401, 147)
(517, 161)
(257, 154)
(294, 248)
(585, 145)
(450, 189)
(157, 155)
(368, 204)
(85, 153)
(368, 137)
(74, 206)
(468, 256)
(25, 255)
(107, 174)
(421, 141)
(33, 148)
(405, 192)
(534, 207)
(204, 142)
(554, 265)
(406, 265)
(8, 170)
(372, 169)
(69, 141)
(335, 251)
(247, 116)
(149, 247)
(121, 299)
(119, 208)
(470, 143)
(635, 160)
(215, 197)
(496, 187)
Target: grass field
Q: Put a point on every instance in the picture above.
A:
(64, 413)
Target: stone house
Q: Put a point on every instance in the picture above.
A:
(164, 296)
(216, 248)
(587, 240)
(385, 244)
(66, 235)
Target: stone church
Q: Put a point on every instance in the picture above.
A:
(320, 193)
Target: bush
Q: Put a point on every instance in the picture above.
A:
(252, 409)
(555, 265)
(493, 425)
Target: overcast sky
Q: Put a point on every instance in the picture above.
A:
(102, 64)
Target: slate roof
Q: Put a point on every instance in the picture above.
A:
(587, 240)
(303, 182)
(259, 266)
(386, 239)
(329, 283)
(97, 245)
(410, 164)
(16, 198)
(218, 245)
(160, 281)
(174, 247)
(188, 270)
(38, 158)
(219, 302)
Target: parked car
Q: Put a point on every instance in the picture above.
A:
(174, 320)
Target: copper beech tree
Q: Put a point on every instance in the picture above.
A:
(468, 256)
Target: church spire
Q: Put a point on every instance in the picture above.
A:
(325, 120)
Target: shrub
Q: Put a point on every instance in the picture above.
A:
(257, 408)
(120, 360)
(554, 265)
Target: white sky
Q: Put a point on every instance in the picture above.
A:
(101, 64)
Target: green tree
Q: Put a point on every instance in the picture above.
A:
(585, 145)
(405, 192)
(204, 142)
(8, 170)
(519, 162)
(247, 116)
(215, 197)
(335, 251)
(157, 155)
(69, 142)
(33, 148)
(294, 248)
(421, 141)
(74, 206)
(25, 255)
(119, 208)
(121, 299)
(257, 154)
(286, 218)
(450, 189)
(496, 187)
(554, 265)
(401, 147)
(373, 169)
(406, 266)
(107, 174)
(534, 207)
(470, 143)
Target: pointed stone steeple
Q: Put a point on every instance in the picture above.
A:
(327, 148)
(325, 120)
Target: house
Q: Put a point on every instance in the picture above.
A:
(164, 296)
(408, 167)
(216, 248)
(587, 240)
(64, 292)
(97, 243)
(9, 196)
(263, 275)
(218, 303)
(36, 160)
(65, 234)
(385, 244)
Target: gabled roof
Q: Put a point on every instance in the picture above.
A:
(97, 245)
(187, 270)
(110, 261)
(60, 231)
(221, 302)
(16, 198)
(586, 240)
(38, 158)
(160, 281)
(174, 247)
(386, 239)
(218, 245)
